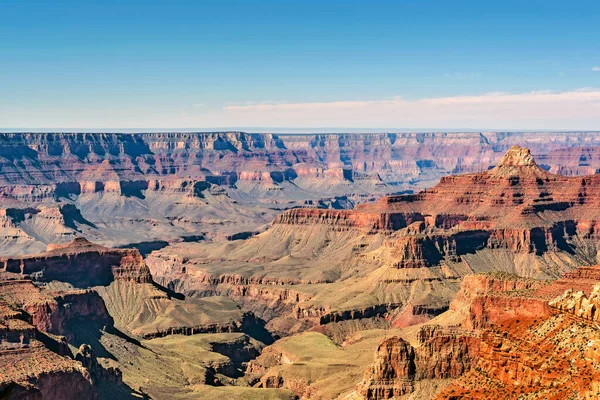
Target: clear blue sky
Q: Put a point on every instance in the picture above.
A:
(171, 64)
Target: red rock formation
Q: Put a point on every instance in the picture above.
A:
(531, 347)
(441, 353)
(580, 305)
(490, 310)
(481, 284)
(504, 207)
(54, 312)
(81, 263)
(36, 372)
(552, 359)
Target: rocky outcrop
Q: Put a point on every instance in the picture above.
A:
(531, 347)
(346, 315)
(441, 353)
(37, 364)
(550, 358)
(54, 312)
(580, 305)
(195, 330)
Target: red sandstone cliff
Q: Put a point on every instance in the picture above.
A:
(441, 353)
(81, 263)
(516, 206)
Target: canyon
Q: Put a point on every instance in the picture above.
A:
(402, 253)
(151, 189)
(262, 266)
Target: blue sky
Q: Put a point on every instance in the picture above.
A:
(355, 64)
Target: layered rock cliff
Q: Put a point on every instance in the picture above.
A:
(531, 347)
(36, 363)
(80, 263)
(73, 157)
(58, 185)
(441, 353)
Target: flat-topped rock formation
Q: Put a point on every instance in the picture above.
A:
(106, 156)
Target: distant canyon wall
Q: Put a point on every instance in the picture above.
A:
(229, 157)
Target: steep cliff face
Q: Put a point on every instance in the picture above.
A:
(66, 309)
(494, 299)
(441, 353)
(37, 364)
(477, 285)
(487, 311)
(53, 311)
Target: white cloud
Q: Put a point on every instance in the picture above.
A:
(596, 69)
(572, 110)
(578, 109)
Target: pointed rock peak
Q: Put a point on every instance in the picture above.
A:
(517, 161)
(517, 156)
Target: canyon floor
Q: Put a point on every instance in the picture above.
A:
(249, 266)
